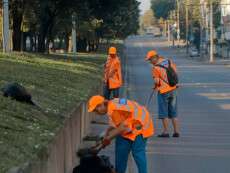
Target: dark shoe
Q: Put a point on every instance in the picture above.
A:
(176, 135)
(163, 135)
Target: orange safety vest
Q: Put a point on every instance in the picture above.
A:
(135, 117)
(160, 77)
(112, 73)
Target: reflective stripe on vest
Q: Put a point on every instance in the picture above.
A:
(136, 109)
(140, 113)
(142, 110)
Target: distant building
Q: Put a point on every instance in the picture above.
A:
(225, 19)
(225, 28)
(221, 33)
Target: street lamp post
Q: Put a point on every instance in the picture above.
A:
(202, 24)
(168, 31)
(211, 34)
(74, 44)
(186, 26)
(6, 36)
(178, 22)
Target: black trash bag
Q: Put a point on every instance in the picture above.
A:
(94, 164)
(17, 92)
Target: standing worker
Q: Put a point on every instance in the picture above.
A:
(112, 75)
(131, 124)
(166, 80)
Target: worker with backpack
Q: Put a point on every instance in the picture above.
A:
(165, 77)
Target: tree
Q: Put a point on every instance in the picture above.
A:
(44, 20)
(162, 8)
(120, 18)
(17, 9)
(148, 19)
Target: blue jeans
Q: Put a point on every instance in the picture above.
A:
(123, 147)
(107, 92)
(167, 105)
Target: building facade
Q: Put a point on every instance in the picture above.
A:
(224, 48)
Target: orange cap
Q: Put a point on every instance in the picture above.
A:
(150, 54)
(112, 50)
(94, 101)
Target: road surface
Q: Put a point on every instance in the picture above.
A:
(204, 110)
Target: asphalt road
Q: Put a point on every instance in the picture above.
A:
(204, 110)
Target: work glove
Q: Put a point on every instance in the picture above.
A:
(155, 87)
(105, 142)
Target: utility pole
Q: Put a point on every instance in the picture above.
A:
(74, 33)
(206, 27)
(186, 6)
(211, 33)
(6, 35)
(165, 28)
(202, 10)
(168, 31)
(178, 22)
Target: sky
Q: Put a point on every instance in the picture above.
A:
(144, 6)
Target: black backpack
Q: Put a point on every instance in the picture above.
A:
(171, 74)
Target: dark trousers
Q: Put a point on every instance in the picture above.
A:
(108, 92)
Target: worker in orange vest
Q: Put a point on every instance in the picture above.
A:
(112, 74)
(130, 123)
(165, 77)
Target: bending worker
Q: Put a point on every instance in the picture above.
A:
(166, 80)
(112, 75)
(130, 123)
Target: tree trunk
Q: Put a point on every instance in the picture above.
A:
(32, 43)
(41, 42)
(25, 35)
(42, 37)
(17, 22)
(66, 37)
(49, 35)
(45, 33)
(70, 44)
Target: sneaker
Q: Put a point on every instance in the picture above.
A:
(176, 135)
(163, 135)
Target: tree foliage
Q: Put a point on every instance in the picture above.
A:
(120, 18)
(162, 8)
(44, 20)
(147, 19)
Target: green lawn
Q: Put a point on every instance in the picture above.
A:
(57, 83)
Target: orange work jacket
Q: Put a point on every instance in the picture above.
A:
(112, 73)
(135, 117)
(160, 76)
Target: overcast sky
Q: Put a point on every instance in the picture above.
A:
(145, 5)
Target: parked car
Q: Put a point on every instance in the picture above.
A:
(153, 30)
(193, 52)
